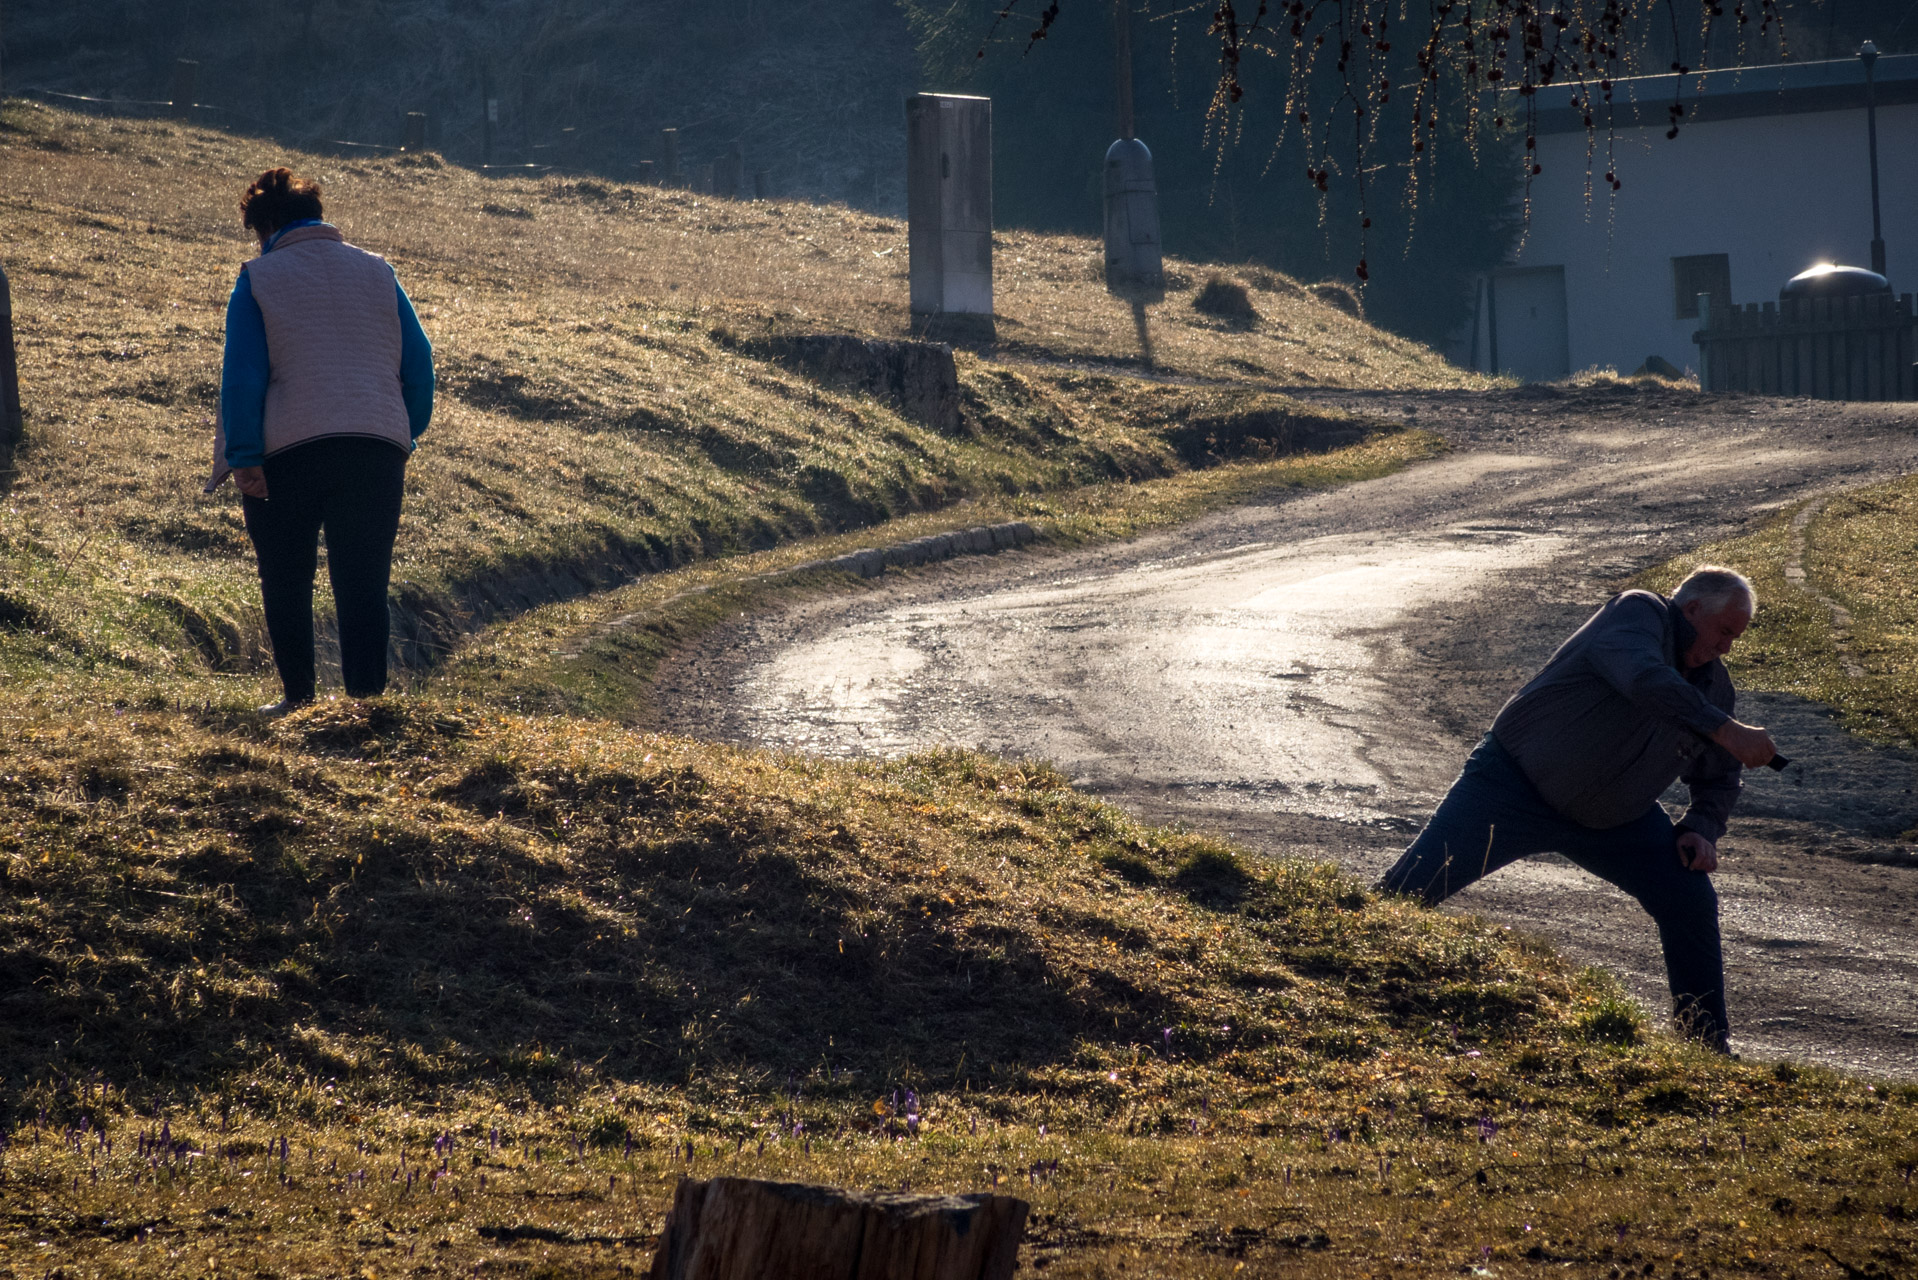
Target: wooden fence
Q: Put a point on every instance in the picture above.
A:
(1824, 348)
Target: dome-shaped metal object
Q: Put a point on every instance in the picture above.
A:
(1829, 280)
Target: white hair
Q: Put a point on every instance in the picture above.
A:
(1715, 587)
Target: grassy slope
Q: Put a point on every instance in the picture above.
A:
(591, 423)
(375, 925)
(369, 927)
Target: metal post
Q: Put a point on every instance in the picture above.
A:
(186, 77)
(1868, 54)
(10, 419)
(1491, 322)
(1122, 42)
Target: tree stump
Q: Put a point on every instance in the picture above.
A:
(745, 1229)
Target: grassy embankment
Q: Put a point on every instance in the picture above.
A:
(601, 414)
(416, 986)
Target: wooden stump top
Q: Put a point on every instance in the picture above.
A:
(745, 1229)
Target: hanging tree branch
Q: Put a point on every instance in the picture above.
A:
(1471, 56)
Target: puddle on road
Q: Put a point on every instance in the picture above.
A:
(1267, 669)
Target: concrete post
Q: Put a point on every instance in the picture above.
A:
(949, 214)
(762, 184)
(669, 174)
(186, 79)
(416, 131)
(10, 417)
(648, 172)
(1135, 268)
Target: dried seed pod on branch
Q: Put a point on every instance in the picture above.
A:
(1325, 71)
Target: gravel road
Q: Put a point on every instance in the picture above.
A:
(1307, 674)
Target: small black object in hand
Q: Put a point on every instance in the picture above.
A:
(1777, 763)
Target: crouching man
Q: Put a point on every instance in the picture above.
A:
(1576, 761)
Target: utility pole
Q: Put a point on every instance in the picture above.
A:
(1868, 54)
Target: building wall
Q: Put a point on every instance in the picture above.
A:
(1776, 194)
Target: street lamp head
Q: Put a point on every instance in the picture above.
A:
(1868, 54)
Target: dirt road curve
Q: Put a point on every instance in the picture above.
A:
(1308, 674)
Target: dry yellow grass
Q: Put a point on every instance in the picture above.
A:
(590, 424)
(495, 982)
(1861, 551)
(256, 977)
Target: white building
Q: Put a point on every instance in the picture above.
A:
(1769, 175)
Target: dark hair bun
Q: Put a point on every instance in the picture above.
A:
(276, 198)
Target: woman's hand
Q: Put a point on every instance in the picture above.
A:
(252, 481)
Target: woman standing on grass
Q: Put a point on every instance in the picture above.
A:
(327, 383)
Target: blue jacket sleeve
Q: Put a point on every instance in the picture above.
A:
(244, 374)
(416, 366)
(1629, 652)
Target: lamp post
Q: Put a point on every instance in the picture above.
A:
(1868, 54)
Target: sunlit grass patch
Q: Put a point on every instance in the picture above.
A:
(1861, 551)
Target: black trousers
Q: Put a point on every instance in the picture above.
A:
(1494, 816)
(348, 487)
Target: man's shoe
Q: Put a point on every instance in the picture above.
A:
(274, 710)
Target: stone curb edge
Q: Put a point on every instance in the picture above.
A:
(867, 562)
(870, 562)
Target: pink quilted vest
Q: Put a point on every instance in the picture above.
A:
(333, 340)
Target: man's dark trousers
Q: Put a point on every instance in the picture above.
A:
(350, 487)
(1493, 816)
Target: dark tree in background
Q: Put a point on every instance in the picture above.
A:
(810, 90)
(1278, 128)
(1231, 187)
